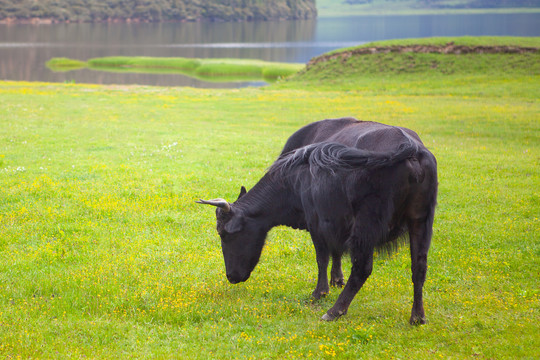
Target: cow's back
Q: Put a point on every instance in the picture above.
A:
(365, 135)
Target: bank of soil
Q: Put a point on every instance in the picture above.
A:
(449, 48)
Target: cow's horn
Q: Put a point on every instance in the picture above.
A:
(220, 203)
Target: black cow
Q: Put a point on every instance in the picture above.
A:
(355, 186)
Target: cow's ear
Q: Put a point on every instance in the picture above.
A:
(234, 225)
(243, 192)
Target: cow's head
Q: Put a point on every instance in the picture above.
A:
(242, 238)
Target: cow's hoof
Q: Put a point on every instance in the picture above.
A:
(327, 317)
(417, 320)
(317, 295)
(337, 282)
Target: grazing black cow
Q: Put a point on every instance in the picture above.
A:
(355, 186)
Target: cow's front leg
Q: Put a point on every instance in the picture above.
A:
(323, 257)
(362, 265)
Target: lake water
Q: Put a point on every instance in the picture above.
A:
(24, 49)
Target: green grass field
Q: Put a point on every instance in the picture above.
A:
(104, 253)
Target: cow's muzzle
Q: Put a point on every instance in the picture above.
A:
(235, 278)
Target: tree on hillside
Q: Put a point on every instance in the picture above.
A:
(156, 10)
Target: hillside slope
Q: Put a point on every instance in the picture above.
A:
(431, 62)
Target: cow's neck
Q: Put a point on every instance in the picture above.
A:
(271, 203)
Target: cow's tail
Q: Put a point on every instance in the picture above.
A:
(334, 157)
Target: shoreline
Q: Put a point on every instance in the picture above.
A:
(449, 48)
(408, 12)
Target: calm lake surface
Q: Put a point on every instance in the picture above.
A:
(24, 49)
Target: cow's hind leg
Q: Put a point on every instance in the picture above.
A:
(336, 274)
(420, 238)
(323, 257)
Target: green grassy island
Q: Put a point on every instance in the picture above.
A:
(218, 70)
(105, 254)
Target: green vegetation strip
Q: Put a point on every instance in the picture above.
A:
(203, 69)
(332, 8)
(104, 253)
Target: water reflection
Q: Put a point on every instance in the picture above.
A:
(24, 49)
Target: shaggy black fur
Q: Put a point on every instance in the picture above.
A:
(355, 186)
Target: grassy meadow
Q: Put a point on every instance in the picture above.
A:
(105, 254)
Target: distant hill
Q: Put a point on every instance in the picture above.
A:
(366, 7)
(153, 10)
(452, 4)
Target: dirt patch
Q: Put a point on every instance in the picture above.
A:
(449, 48)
